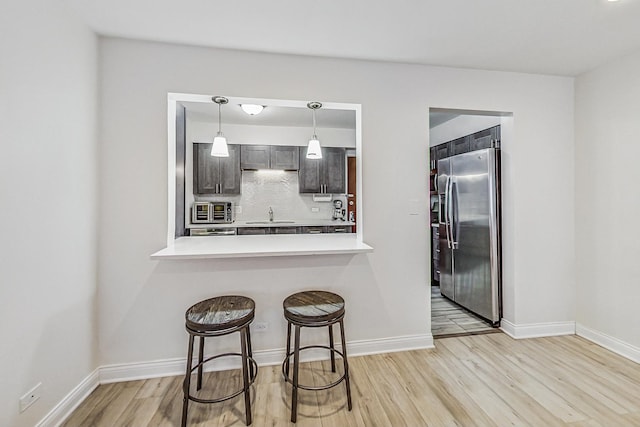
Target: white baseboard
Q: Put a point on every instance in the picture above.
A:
(390, 345)
(70, 402)
(535, 330)
(610, 343)
(177, 366)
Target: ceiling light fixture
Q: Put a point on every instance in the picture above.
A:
(252, 109)
(313, 149)
(219, 147)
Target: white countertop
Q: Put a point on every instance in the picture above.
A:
(277, 223)
(199, 247)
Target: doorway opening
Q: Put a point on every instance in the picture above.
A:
(465, 221)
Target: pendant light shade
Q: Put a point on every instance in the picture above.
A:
(219, 147)
(313, 148)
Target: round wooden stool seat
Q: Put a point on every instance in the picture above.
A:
(220, 313)
(313, 307)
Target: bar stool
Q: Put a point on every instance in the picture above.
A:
(313, 309)
(216, 317)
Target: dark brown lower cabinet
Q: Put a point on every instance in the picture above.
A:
(245, 231)
(284, 230)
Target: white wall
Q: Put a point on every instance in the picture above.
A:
(48, 181)
(608, 201)
(142, 302)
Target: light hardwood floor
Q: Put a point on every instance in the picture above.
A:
(481, 380)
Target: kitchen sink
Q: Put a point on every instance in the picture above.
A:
(271, 222)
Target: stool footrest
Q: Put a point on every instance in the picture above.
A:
(230, 396)
(313, 388)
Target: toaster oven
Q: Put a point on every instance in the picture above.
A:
(212, 212)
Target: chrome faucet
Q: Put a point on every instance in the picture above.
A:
(270, 214)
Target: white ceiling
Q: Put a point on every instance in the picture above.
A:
(271, 116)
(561, 37)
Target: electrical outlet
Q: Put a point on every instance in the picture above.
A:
(30, 397)
(238, 209)
(315, 209)
(260, 326)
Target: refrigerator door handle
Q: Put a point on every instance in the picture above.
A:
(449, 213)
(446, 211)
(454, 216)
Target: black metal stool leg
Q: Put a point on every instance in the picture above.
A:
(245, 374)
(286, 362)
(200, 359)
(331, 344)
(346, 365)
(249, 351)
(296, 365)
(187, 382)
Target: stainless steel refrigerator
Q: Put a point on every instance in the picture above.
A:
(469, 229)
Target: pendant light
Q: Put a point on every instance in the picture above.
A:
(313, 149)
(219, 147)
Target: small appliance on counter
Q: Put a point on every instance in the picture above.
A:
(212, 213)
(338, 211)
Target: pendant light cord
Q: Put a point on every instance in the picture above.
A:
(219, 119)
(314, 122)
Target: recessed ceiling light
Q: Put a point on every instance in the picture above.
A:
(252, 109)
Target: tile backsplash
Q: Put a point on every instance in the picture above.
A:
(279, 190)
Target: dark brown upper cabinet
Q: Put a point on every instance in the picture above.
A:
(216, 175)
(282, 157)
(326, 175)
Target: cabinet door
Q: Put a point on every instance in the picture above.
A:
(433, 159)
(250, 231)
(285, 157)
(230, 177)
(442, 151)
(313, 229)
(309, 173)
(284, 230)
(333, 160)
(206, 170)
(339, 229)
(482, 139)
(460, 145)
(255, 157)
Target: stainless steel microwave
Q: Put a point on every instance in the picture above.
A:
(212, 212)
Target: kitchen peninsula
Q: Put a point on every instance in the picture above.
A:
(262, 246)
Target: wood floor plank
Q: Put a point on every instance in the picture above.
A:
(563, 383)
(94, 402)
(530, 383)
(603, 392)
(170, 410)
(445, 391)
(505, 391)
(366, 399)
(481, 380)
(116, 403)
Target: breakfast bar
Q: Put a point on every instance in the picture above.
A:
(202, 247)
